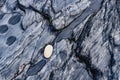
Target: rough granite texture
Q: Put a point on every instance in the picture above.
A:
(85, 35)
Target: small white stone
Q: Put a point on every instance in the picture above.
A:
(48, 51)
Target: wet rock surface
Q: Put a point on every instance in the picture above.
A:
(84, 34)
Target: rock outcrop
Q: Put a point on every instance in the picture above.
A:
(84, 34)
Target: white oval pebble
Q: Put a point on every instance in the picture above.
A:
(48, 51)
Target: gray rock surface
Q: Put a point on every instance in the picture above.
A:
(85, 35)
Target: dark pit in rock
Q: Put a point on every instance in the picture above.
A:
(34, 69)
(14, 19)
(63, 54)
(3, 29)
(10, 40)
(1, 16)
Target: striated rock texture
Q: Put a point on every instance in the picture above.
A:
(85, 35)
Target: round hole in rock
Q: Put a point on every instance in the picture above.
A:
(14, 19)
(10, 40)
(3, 28)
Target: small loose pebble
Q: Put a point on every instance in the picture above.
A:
(48, 51)
(3, 28)
(10, 40)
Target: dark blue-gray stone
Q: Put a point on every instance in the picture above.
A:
(10, 40)
(14, 19)
(33, 70)
(3, 28)
(1, 16)
(63, 54)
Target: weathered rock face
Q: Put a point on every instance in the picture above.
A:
(84, 34)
